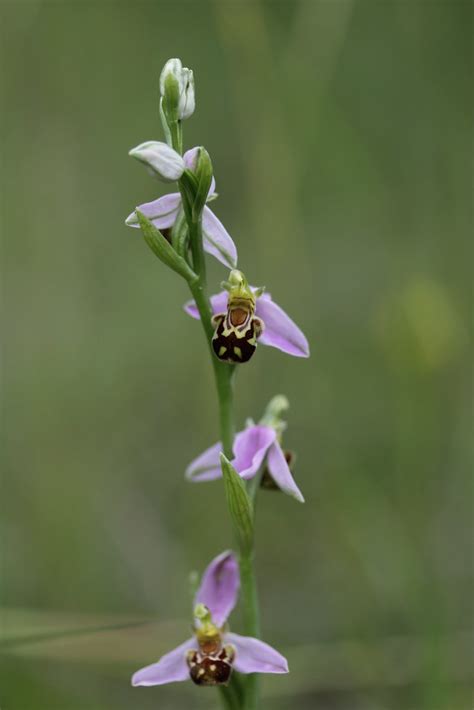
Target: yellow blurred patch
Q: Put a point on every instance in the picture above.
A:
(420, 326)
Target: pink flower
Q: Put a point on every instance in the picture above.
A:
(164, 211)
(252, 447)
(209, 657)
(279, 330)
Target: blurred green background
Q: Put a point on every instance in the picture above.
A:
(340, 134)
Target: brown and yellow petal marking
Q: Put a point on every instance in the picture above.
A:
(211, 669)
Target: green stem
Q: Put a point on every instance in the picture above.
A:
(251, 620)
(197, 250)
(224, 374)
(230, 697)
(249, 595)
(176, 133)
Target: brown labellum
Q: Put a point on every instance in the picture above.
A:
(211, 668)
(235, 337)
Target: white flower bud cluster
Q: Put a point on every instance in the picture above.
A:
(177, 89)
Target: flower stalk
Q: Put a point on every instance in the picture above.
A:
(251, 619)
(224, 378)
(223, 375)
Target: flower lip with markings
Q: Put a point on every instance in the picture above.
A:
(238, 329)
(279, 331)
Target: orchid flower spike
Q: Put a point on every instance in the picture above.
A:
(244, 314)
(213, 652)
(256, 449)
(164, 212)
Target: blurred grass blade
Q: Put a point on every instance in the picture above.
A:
(11, 643)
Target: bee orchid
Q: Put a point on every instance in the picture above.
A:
(164, 212)
(253, 447)
(237, 330)
(210, 656)
(271, 325)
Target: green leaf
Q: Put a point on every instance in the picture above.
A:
(239, 504)
(163, 249)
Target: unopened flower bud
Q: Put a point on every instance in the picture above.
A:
(163, 161)
(170, 79)
(187, 102)
(177, 90)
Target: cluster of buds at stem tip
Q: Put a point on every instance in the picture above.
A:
(177, 91)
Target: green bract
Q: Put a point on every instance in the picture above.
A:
(204, 178)
(239, 504)
(163, 249)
